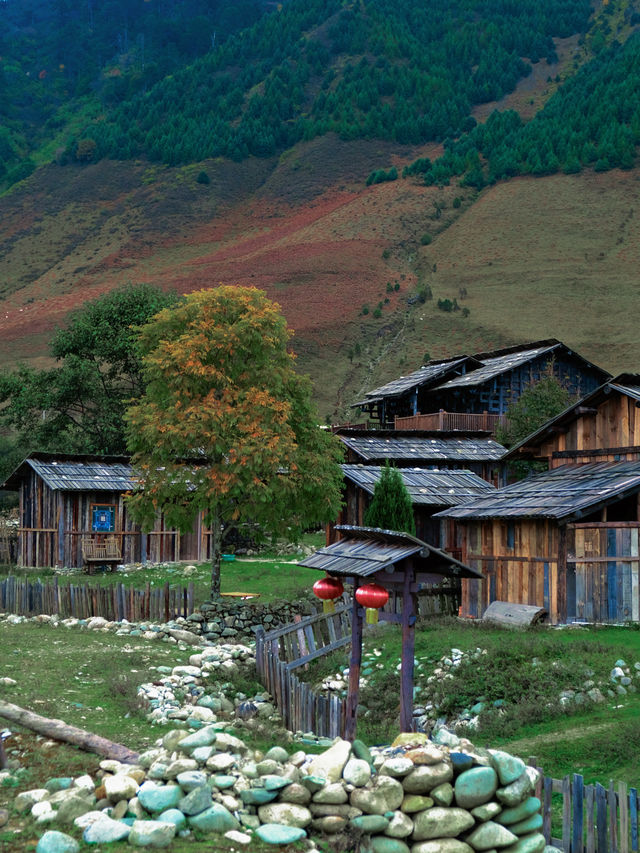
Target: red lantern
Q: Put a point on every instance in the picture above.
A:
(372, 596)
(327, 589)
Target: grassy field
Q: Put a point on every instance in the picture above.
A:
(90, 680)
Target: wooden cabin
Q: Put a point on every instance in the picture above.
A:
(67, 499)
(603, 426)
(566, 540)
(475, 452)
(481, 386)
(430, 490)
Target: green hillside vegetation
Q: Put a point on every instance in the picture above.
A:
(392, 70)
(93, 55)
(592, 120)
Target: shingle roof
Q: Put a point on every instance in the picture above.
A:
(424, 375)
(495, 366)
(566, 493)
(366, 550)
(428, 487)
(376, 446)
(89, 473)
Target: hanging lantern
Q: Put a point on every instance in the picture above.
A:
(372, 597)
(327, 589)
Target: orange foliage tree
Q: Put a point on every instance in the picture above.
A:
(226, 426)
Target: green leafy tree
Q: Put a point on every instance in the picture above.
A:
(226, 427)
(391, 507)
(78, 406)
(537, 404)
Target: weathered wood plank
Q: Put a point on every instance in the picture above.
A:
(577, 799)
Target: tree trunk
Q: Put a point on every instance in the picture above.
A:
(59, 730)
(216, 552)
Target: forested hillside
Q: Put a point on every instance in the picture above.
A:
(592, 120)
(391, 69)
(62, 60)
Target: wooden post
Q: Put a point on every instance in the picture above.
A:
(558, 613)
(408, 651)
(354, 667)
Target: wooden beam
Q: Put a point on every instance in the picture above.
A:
(408, 652)
(354, 667)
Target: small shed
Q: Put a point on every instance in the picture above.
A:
(430, 490)
(64, 499)
(476, 452)
(398, 562)
(566, 540)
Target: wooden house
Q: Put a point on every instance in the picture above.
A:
(479, 387)
(65, 499)
(603, 426)
(475, 452)
(430, 490)
(566, 540)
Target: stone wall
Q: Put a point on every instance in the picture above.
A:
(228, 619)
(415, 796)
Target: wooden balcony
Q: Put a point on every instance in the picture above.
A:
(446, 421)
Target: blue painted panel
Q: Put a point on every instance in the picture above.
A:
(546, 586)
(103, 519)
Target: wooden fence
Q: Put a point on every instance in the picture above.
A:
(591, 818)
(280, 652)
(114, 603)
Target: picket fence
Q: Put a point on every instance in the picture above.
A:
(114, 603)
(594, 819)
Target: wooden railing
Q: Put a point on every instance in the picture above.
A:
(281, 651)
(446, 421)
(114, 603)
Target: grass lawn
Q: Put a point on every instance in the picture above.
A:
(272, 577)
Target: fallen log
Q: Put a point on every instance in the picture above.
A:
(59, 730)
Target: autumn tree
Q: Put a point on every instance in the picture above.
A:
(226, 427)
(391, 507)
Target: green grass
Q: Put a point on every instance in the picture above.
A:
(88, 680)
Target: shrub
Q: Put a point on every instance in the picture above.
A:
(424, 293)
(202, 178)
(426, 239)
(365, 309)
(377, 313)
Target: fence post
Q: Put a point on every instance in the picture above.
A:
(577, 798)
(623, 805)
(566, 814)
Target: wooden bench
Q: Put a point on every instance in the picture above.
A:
(101, 552)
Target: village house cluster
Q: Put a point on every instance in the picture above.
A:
(565, 539)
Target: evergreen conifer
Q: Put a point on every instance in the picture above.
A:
(391, 507)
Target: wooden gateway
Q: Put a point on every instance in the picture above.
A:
(396, 562)
(73, 511)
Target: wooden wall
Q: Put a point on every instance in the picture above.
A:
(611, 434)
(519, 561)
(582, 572)
(53, 522)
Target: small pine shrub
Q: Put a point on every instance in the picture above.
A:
(365, 310)
(203, 178)
(426, 239)
(377, 313)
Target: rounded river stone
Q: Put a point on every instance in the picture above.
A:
(442, 845)
(524, 827)
(475, 787)
(490, 835)
(57, 842)
(508, 766)
(532, 805)
(276, 833)
(157, 798)
(370, 823)
(383, 844)
(534, 843)
(441, 823)
(425, 778)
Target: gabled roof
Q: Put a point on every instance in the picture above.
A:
(431, 373)
(77, 473)
(427, 487)
(438, 446)
(363, 551)
(480, 368)
(627, 384)
(567, 493)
